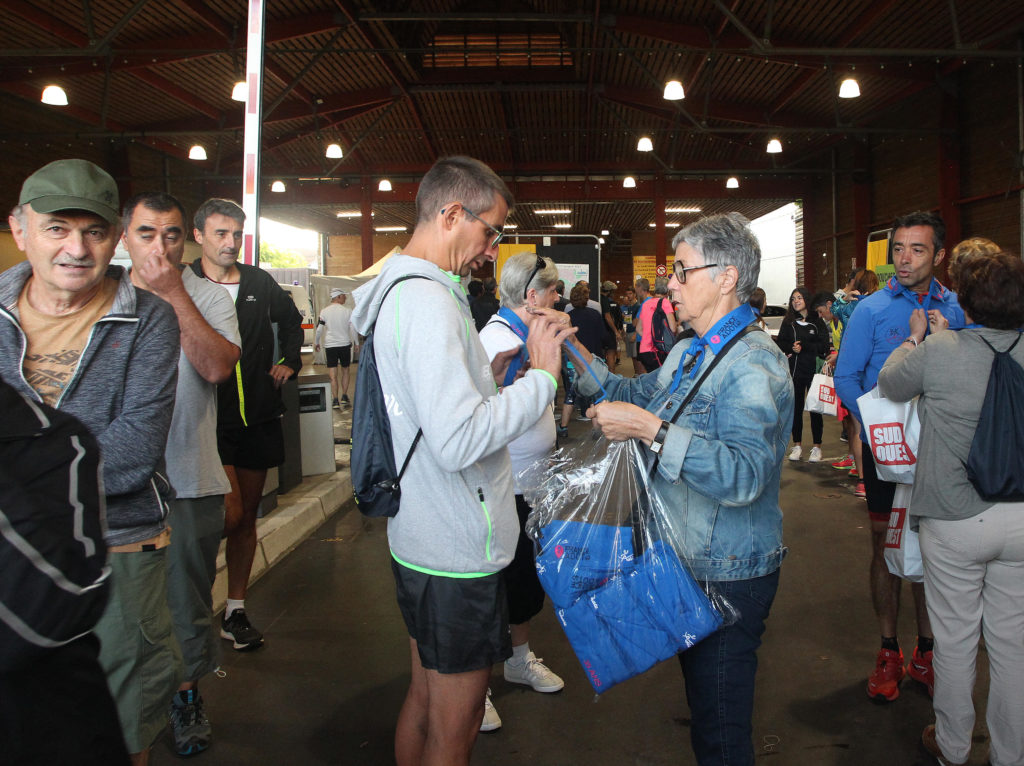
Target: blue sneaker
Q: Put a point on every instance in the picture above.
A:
(189, 724)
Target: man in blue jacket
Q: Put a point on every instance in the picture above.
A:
(880, 324)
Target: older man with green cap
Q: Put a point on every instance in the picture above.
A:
(76, 335)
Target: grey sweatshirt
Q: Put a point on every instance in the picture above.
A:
(457, 514)
(950, 371)
(122, 390)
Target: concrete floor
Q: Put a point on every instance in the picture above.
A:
(327, 686)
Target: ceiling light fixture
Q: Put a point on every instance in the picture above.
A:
(334, 152)
(563, 225)
(774, 146)
(629, 182)
(553, 211)
(644, 144)
(510, 226)
(732, 183)
(605, 232)
(54, 95)
(197, 152)
(682, 210)
(384, 185)
(277, 186)
(673, 91)
(390, 228)
(349, 214)
(667, 225)
(849, 88)
(240, 91)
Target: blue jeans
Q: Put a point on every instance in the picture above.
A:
(719, 676)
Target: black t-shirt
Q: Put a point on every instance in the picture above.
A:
(592, 329)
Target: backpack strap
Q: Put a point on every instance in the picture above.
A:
(1012, 345)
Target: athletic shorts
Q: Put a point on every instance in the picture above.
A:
(256, 447)
(338, 355)
(525, 594)
(879, 493)
(459, 624)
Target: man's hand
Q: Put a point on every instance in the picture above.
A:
(548, 329)
(500, 363)
(619, 421)
(280, 373)
(161, 276)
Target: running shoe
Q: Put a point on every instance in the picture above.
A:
(920, 669)
(240, 632)
(845, 464)
(534, 673)
(884, 682)
(860, 491)
(796, 452)
(491, 719)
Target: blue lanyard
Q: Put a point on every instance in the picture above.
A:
(724, 330)
(604, 394)
(517, 326)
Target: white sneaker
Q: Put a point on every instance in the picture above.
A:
(815, 456)
(796, 452)
(533, 673)
(491, 720)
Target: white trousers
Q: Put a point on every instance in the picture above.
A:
(974, 585)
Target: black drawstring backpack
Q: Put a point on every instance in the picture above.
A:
(995, 464)
(375, 480)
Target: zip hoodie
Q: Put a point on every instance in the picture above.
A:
(457, 515)
(122, 391)
(878, 326)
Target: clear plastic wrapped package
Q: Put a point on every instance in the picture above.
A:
(620, 591)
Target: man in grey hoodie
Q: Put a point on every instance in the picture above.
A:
(457, 527)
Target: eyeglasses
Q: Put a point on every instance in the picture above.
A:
(680, 270)
(536, 269)
(498, 233)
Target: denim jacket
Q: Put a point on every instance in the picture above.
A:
(721, 462)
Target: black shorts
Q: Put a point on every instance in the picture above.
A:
(525, 594)
(460, 624)
(879, 493)
(338, 355)
(256, 447)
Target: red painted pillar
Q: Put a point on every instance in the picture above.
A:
(366, 223)
(949, 175)
(660, 244)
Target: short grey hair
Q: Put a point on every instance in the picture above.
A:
(18, 212)
(460, 179)
(661, 285)
(517, 270)
(644, 284)
(728, 241)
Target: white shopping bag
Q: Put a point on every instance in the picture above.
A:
(893, 431)
(902, 548)
(821, 396)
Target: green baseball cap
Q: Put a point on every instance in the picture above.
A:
(71, 185)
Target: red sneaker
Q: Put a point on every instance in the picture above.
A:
(920, 669)
(854, 474)
(884, 683)
(860, 491)
(845, 463)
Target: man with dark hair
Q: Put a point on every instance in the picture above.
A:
(249, 407)
(613, 319)
(486, 305)
(475, 290)
(878, 326)
(77, 335)
(457, 528)
(154, 235)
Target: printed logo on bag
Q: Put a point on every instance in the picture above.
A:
(897, 525)
(578, 552)
(889, 447)
(826, 394)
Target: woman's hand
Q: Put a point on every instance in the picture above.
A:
(937, 322)
(797, 347)
(619, 421)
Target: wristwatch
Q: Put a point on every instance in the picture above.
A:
(659, 438)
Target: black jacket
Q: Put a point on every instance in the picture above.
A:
(54, 586)
(261, 301)
(484, 308)
(814, 342)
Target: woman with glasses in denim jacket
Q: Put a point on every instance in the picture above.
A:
(719, 464)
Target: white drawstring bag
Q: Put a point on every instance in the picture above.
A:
(893, 432)
(821, 396)
(902, 547)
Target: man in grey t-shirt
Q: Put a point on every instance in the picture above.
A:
(154, 235)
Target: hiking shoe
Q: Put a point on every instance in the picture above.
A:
(884, 683)
(845, 464)
(796, 452)
(335, 404)
(238, 630)
(189, 724)
(928, 743)
(533, 673)
(491, 720)
(854, 474)
(562, 432)
(860, 491)
(920, 669)
(344, 399)
(815, 456)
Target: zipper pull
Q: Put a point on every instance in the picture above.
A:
(480, 493)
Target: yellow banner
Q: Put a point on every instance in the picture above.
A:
(645, 266)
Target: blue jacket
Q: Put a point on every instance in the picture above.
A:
(880, 324)
(722, 459)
